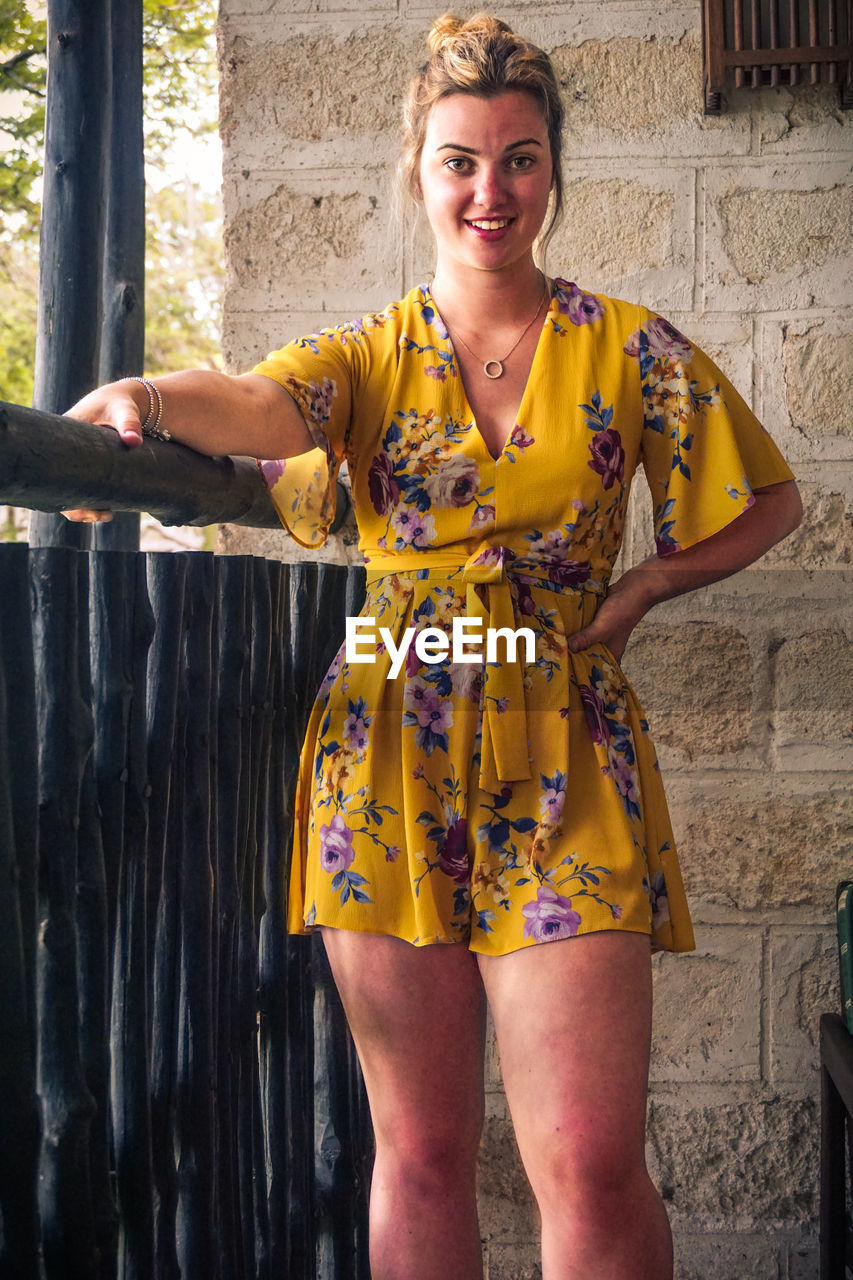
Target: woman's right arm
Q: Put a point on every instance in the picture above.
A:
(211, 412)
(214, 413)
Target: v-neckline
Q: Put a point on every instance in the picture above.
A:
(519, 413)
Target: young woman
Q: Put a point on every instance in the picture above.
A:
(471, 832)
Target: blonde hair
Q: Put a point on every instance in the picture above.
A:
(484, 57)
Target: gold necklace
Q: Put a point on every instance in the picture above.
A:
(497, 366)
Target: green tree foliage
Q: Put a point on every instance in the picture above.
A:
(184, 248)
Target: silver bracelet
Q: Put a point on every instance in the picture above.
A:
(155, 410)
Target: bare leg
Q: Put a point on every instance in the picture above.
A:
(417, 1016)
(573, 1023)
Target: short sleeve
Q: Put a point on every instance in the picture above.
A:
(703, 449)
(321, 372)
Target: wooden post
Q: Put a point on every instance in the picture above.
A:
(123, 334)
(73, 211)
(19, 1113)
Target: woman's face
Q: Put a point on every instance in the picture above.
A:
(485, 176)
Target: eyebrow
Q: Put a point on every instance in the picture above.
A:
(471, 151)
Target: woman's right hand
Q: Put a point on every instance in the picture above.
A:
(112, 405)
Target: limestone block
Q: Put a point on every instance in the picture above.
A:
(662, 79)
(628, 233)
(276, 544)
(507, 1205)
(315, 243)
(697, 679)
(514, 1262)
(316, 98)
(807, 117)
(707, 1010)
(778, 237)
(803, 985)
(753, 1160)
(804, 373)
(824, 539)
(493, 1065)
(249, 336)
(804, 1260)
(725, 1256)
(762, 848)
(812, 676)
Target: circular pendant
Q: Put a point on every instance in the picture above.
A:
(490, 365)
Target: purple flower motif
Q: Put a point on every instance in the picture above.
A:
(453, 854)
(482, 516)
(272, 469)
(568, 573)
(383, 488)
(550, 916)
(608, 456)
(413, 528)
(526, 603)
(355, 732)
(665, 340)
(336, 851)
(616, 911)
(437, 372)
(658, 899)
(593, 705)
(551, 804)
(433, 712)
(624, 776)
(520, 439)
(580, 307)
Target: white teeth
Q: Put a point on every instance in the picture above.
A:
(490, 224)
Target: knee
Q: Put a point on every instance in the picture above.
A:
(430, 1157)
(594, 1173)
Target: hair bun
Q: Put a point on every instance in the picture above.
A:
(443, 29)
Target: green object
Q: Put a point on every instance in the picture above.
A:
(844, 907)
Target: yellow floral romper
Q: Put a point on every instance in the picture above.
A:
(498, 802)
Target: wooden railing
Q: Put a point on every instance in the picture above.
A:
(180, 1096)
(770, 42)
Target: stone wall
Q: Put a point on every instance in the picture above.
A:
(737, 228)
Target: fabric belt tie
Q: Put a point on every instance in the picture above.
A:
(504, 752)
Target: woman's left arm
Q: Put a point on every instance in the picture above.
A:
(776, 512)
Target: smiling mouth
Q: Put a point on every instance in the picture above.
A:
(488, 224)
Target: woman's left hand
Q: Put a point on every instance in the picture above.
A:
(617, 616)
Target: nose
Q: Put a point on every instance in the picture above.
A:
(489, 188)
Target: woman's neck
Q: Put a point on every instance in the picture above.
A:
(485, 298)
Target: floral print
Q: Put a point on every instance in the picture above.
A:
(497, 802)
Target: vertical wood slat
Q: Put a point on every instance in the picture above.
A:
(67, 1223)
(122, 336)
(774, 39)
(19, 1114)
(737, 34)
(69, 315)
(124, 579)
(814, 39)
(194, 1111)
(794, 36)
(755, 37)
(166, 704)
(232, 709)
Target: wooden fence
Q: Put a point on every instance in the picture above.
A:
(180, 1096)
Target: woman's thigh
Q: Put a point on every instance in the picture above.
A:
(573, 1025)
(417, 1016)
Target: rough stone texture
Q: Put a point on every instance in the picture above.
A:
(719, 1257)
(757, 853)
(807, 668)
(824, 540)
(803, 985)
(736, 228)
(507, 1207)
(512, 1262)
(816, 369)
(699, 680)
(707, 1008)
(807, 229)
(754, 1161)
